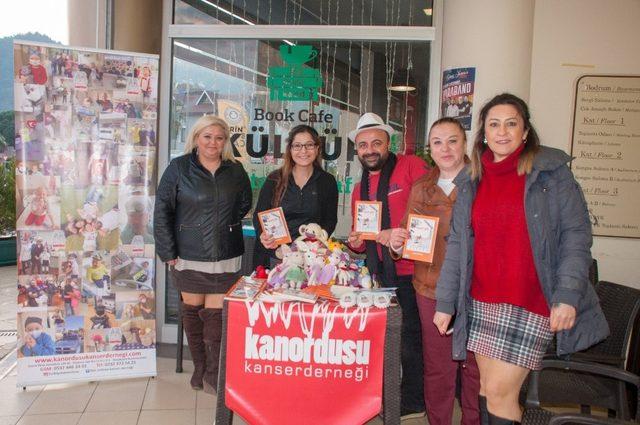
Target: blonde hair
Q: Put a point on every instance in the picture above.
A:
(204, 122)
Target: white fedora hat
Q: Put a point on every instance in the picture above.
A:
(370, 121)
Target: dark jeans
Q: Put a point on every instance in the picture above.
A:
(412, 386)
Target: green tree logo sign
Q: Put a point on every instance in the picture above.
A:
(294, 81)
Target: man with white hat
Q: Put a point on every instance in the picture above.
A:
(388, 178)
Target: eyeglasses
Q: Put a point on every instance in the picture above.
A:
(297, 147)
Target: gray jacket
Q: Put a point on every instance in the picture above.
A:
(560, 234)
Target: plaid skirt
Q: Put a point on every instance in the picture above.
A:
(509, 333)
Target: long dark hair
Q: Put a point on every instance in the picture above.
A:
(283, 174)
(532, 144)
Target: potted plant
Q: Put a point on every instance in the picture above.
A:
(7, 212)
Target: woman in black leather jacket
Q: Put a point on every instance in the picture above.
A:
(201, 200)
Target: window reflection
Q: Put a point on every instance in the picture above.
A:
(236, 79)
(304, 12)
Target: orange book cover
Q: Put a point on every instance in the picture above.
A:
(273, 222)
(368, 219)
(422, 238)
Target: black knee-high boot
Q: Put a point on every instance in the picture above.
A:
(193, 326)
(212, 319)
(484, 412)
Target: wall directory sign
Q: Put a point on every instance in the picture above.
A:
(85, 125)
(606, 148)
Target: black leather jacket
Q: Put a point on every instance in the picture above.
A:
(197, 215)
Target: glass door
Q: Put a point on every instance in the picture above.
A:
(264, 79)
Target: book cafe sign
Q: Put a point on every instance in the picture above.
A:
(292, 82)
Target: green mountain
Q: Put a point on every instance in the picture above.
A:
(6, 65)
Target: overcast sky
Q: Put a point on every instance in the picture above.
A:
(47, 17)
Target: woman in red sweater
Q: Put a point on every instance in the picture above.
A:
(516, 269)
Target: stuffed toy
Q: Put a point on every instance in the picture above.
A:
(345, 274)
(365, 278)
(261, 272)
(312, 236)
(313, 265)
(290, 273)
(334, 244)
(328, 272)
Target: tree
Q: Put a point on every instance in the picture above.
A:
(7, 196)
(7, 127)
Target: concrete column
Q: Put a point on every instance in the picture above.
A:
(137, 26)
(87, 23)
(495, 37)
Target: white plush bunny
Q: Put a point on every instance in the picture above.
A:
(290, 273)
(313, 264)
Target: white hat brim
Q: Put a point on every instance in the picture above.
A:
(384, 127)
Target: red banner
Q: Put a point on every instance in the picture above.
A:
(293, 363)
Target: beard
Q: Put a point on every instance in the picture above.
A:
(376, 165)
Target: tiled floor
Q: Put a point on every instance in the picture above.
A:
(164, 400)
(8, 295)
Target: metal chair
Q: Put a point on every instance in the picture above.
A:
(535, 415)
(621, 307)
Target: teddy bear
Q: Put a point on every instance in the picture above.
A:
(312, 236)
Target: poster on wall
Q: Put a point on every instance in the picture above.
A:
(606, 148)
(85, 124)
(457, 95)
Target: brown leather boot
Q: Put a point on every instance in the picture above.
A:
(193, 328)
(212, 319)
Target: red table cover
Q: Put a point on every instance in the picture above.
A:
(293, 363)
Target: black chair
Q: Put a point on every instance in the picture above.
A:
(593, 273)
(621, 307)
(535, 415)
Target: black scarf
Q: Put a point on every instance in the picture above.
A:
(385, 268)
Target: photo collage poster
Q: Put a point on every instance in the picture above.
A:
(86, 144)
